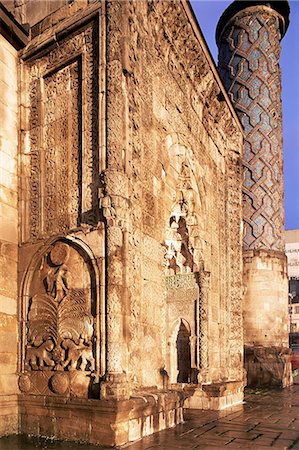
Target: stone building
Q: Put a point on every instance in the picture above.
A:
(292, 252)
(121, 240)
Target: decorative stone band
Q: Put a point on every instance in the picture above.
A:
(181, 281)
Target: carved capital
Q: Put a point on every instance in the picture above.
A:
(116, 386)
(116, 211)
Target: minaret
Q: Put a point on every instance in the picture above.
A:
(248, 38)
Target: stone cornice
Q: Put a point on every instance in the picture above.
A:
(50, 38)
(13, 31)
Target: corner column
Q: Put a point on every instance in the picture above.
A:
(115, 206)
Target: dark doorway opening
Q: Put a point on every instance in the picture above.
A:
(184, 354)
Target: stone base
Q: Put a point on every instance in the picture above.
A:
(8, 415)
(268, 366)
(102, 422)
(214, 396)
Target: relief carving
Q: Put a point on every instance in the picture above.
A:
(64, 136)
(39, 357)
(182, 231)
(60, 328)
(78, 352)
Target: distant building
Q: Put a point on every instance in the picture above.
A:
(292, 252)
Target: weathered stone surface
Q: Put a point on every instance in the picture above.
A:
(123, 215)
(8, 237)
(122, 228)
(100, 421)
(268, 366)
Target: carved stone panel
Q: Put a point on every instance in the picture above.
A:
(62, 123)
(60, 316)
(182, 296)
(181, 255)
(63, 131)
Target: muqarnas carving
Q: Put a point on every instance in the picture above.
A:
(182, 229)
(60, 323)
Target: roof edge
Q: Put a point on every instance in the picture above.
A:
(201, 39)
(12, 30)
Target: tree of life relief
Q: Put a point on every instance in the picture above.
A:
(60, 323)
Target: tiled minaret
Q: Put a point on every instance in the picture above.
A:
(248, 37)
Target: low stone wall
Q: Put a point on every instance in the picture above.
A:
(8, 414)
(102, 422)
(214, 396)
(268, 366)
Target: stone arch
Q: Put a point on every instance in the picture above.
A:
(179, 342)
(184, 261)
(61, 310)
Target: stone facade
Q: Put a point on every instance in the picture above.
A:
(127, 270)
(9, 230)
(248, 38)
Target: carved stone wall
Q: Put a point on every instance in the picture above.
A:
(128, 151)
(62, 130)
(61, 256)
(59, 338)
(164, 112)
(249, 52)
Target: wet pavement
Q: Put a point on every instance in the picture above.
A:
(268, 419)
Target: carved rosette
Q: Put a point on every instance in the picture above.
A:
(59, 323)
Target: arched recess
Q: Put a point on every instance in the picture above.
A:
(62, 316)
(182, 240)
(180, 352)
(184, 260)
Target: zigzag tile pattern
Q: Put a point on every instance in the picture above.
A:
(249, 54)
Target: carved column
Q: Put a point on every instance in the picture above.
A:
(115, 206)
(204, 283)
(248, 37)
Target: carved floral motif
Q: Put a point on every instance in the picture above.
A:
(60, 324)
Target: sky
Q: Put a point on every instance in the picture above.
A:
(208, 13)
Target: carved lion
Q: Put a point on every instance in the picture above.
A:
(38, 357)
(77, 352)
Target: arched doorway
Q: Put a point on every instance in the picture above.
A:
(183, 354)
